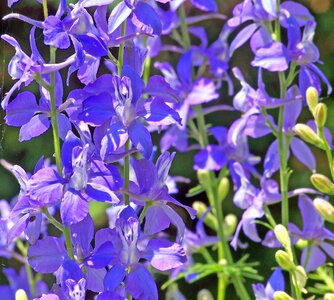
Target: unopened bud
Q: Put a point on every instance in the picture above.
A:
(21, 295)
(204, 294)
(280, 295)
(200, 208)
(308, 135)
(329, 296)
(301, 277)
(312, 97)
(322, 183)
(301, 244)
(203, 177)
(230, 223)
(282, 235)
(320, 114)
(209, 219)
(223, 188)
(284, 260)
(325, 209)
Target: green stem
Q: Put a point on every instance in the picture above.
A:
(144, 211)
(184, 28)
(269, 216)
(327, 150)
(127, 173)
(55, 129)
(52, 220)
(121, 51)
(223, 247)
(211, 189)
(206, 255)
(68, 242)
(147, 69)
(283, 148)
(270, 125)
(298, 293)
(24, 251)
(308, 253)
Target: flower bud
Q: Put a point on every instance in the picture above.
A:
(282, 235)
(308, 135)
(325, 209)
(329, 296)
(230, 223)
(301, 277)
(21, 295)
(301, 244)
(280, 295)
(284, 260)
(203, 177)
(209, 219)
(312, 98)
(320, 114)
(204, 294)
(200, 208)
(322, 183)
(223, 188)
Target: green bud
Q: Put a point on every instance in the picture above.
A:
(306, 133)
(301, 244)
(312, 98)
(200, 208)
(325, 209)
(203, 177)
(301, 277)
(209, 220)
(282, 235)
(223, 188)
(230, 223)
(322, 183)
(320, 114)
(204, 294)
(329, 296)
(21, 295)
(284, 260)
(280, 295)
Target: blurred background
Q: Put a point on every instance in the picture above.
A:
(26, 154)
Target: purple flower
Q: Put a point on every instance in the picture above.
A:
(25, 68)
(315, 233)
(19, 280)
(275, 283)
(122, 247)
(252, 199)
(118, 112)
(33, 118)
(84, 178)
(24, 217)
(148, 185)
(201, 90)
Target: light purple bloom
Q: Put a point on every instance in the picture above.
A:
(122, 246)
(314, 232)
(275, 283)
(84, 178)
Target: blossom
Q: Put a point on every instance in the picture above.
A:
(118, 112)
(122, 247)
(148, 187)
(83, 178)
(315, 233)
(275, 283)
(34, 119)
(24, 67)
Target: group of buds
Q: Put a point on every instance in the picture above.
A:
(321, 182)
